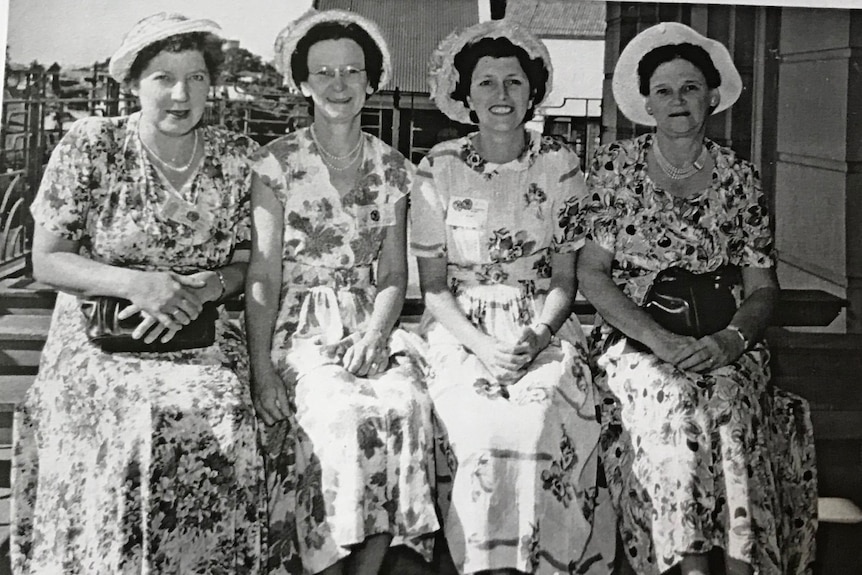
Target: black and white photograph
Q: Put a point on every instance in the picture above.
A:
(431, 287)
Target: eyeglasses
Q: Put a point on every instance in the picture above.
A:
(349, 74)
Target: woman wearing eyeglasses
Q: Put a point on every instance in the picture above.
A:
(348, 433)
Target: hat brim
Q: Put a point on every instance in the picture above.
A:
(443, 76)
(289, 37)
(626, 82)
(125, 55)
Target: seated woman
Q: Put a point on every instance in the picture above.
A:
(493, 227)
(701, 453)
(348, 441)
(142, 462)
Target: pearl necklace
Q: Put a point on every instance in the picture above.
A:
(675, 173)
(167, 164)
(330, 159)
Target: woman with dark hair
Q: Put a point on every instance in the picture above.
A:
(348, 441)
(493, 229)
(143, 459)
(707, 463)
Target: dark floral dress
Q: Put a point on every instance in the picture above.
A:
(355, 459)
(138, 462)
(522, 454)
(696, 461)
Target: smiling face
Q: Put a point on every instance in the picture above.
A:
(499, 93)
(172, 90)
(679, 98)
(337, 82)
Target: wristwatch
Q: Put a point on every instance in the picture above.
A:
(745, 342)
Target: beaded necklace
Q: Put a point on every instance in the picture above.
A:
(675, 173)
(331, 159)
(170, 166)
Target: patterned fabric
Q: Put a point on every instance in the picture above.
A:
(696, 461)
(355, 459)
(523, 454)
(138, 462)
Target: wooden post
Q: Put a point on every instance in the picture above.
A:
(35, 148)
(91, 105)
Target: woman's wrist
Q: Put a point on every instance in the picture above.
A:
(744, 340)
(221, 285)
(544, 333)
(376, 334)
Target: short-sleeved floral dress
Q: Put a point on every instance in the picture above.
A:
(523, 454)
(696, 461)
(356, 457)
(139, 462)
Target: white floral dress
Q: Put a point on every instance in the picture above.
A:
(523, 455)
(355, 459)
(696, 462)
(138, 462)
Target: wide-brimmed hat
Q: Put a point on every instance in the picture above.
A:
(443, 76)
(287, 39)
(152, 29)
(626, 82)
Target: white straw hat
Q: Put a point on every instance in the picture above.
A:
(626, 82)
(443, 76)
(289, 37)
(150, 30)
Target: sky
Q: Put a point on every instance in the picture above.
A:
(80, 32)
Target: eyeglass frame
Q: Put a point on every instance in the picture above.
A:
(348, 74)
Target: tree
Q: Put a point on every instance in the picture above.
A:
(238, 60)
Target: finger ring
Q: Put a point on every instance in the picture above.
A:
(278, 404)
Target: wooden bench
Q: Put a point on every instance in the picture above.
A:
(824, 368)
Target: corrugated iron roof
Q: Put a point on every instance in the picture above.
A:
(413, 29)
(574, 19)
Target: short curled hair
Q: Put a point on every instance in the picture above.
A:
(466, 60)
(686, 51)
(207, 44)
(337, 31)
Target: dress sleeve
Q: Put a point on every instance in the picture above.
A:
(65, 194)
(752, 245)
(267, 169)
(599, 212)
(398, 174)
(427, 213)
(243, 214)
(569, 229)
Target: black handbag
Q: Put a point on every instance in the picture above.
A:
(111, 334)
(693, 304)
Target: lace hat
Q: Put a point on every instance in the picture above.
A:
(289, 37)
(626, 83)
(443, 76)
(150, 30)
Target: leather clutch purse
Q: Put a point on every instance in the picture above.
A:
(693, 304)
(111, 334)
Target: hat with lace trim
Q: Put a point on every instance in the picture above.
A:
(443, 75)
(150, 30)
(626, 84)
(289, 37)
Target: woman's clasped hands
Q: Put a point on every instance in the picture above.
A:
(507, 362)
(700, 355)
(168, 301)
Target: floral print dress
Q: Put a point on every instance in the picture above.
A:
(523, 454)
(356, 458)
(139, 462)
(696, 461)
